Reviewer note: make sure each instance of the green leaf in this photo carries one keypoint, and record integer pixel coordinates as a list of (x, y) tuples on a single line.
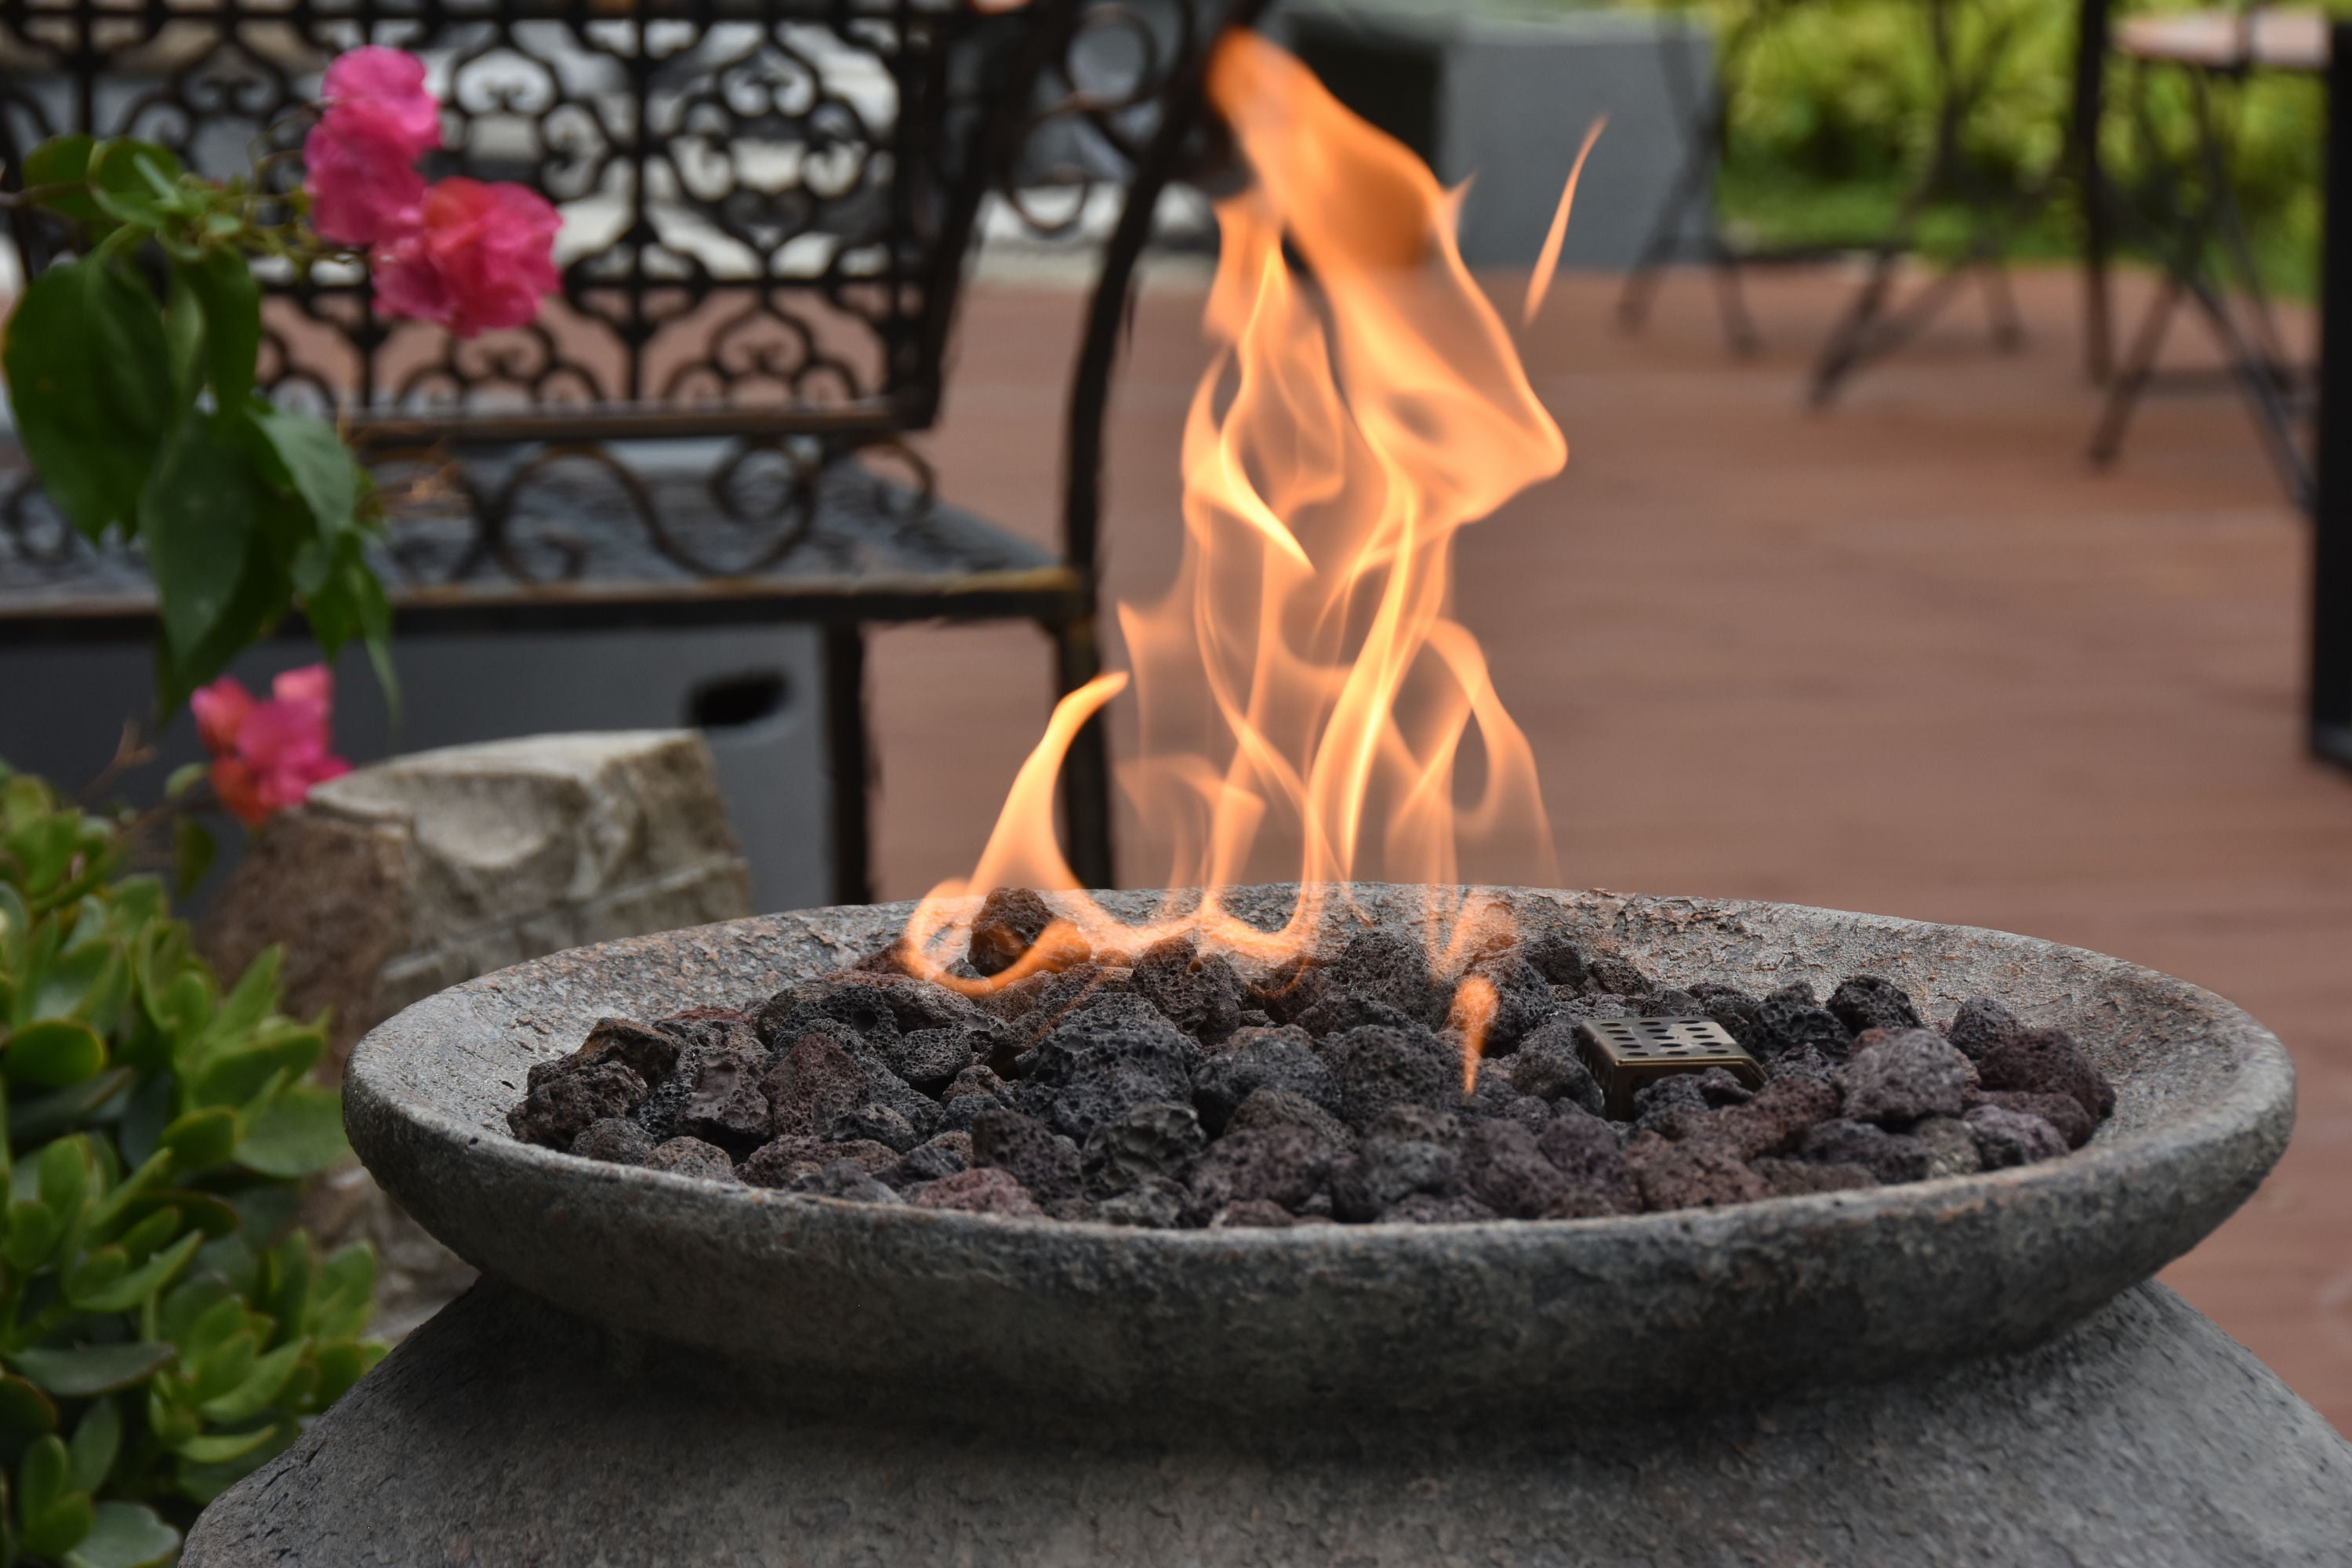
[(85, 1370), (90, 378), (23, 1408), (97, 1439), (299, 1134), (33, 1234), (57, 1529), (218, 1447), (135, 181), (92, 1273), (64, 161), (202, 1139), (55, 1053), (317, 466), (207, 1213), (223, 283), (258, 1390), (185, 777), (64, 1176), (125, 1535), (131, 1288), (32, 1118), (41, 1476), (184, 333), (192, 849), (198, 515)]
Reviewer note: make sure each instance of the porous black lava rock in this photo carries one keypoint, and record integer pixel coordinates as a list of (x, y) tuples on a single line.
[(1873, 1002), (1200, 992), (1044, 1163), (1172, 1089), (2005, 1138), (1790, 1020), (1898, 1077), (1888, 1156), (616, 1140), (1222, 1082), (1980, 1024), (1157, 1139), (561, 1108), (1009, 921), (1378, 1068), (691, 1157)]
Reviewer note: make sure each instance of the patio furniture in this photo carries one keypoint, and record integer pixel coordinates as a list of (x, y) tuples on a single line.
[(2190, 221), (770, 207)]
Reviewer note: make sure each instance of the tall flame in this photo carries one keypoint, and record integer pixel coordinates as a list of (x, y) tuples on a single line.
[(1304, 693)]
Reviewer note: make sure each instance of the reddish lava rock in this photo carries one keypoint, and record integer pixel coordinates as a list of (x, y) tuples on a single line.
[(2047, 1061), (692, 1157), (1689, 1175), (812, 1085), (2062, 1111), (1043, 1162), (984, 1190), (559, 1109)]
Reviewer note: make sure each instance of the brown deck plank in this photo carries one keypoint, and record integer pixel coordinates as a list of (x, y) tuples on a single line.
[(1911, 655)]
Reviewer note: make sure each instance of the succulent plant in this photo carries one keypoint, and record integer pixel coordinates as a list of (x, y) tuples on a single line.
[(164, 1327)]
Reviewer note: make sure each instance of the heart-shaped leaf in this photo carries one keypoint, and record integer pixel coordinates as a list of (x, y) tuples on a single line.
[(55, 1053)]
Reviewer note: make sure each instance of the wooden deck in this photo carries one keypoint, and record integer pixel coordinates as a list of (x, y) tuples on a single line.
[(1912, 656)]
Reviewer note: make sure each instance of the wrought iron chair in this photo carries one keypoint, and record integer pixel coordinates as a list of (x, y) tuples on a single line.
[(770, 206)]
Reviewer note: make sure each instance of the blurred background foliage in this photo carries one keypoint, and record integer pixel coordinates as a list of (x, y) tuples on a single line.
[(1833, 112)]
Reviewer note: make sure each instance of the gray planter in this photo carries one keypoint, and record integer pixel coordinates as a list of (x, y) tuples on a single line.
[(747, 1375)]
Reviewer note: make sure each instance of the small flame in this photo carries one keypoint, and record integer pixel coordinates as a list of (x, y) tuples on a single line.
[(1547, 259), (1474, 1002), (1304, 694)]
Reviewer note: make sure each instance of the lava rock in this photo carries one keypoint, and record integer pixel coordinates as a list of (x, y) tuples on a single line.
[(1252, 1213), (1903, 1075), (1044, 1164), (1285, 1165), (813, 1085), (1391, 967), (1774, 1120), (1591, 1157), (1115, 1031), (845, 1179), (1343, 1012), (981, 1190), (1155, 1202), (559, 1110), (930, 1059), (942, 1156), (1689, 1175), (1890, 1156), (1559, 961), (1009, 923), (1427, 1208), (1873, 1002), (1201, 994), (1798, 1178), (1667, 1002), (878, 1122), (1521, 1000), (692, 1157), (1504, 1167), (975, 1081), (1790, 1019), (1981, 1027), (2005, 1138), (1952, 1147), (1672, 1104), (1804, 1062), (650, 1053), (861, 1001), (2062, 1111), (727, 1106), (777, 1163), (1378, 1067), (1287, 989), (614, 1139), (1548, 1066), (1154, 1139), (1386, 1170), (1280, 1108), (1221, 1083), (2047, 1061)]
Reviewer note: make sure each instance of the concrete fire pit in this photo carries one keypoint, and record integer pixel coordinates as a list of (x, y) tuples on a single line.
[(1966, 1369)]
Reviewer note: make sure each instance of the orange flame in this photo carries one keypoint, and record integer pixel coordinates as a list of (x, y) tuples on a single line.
[(1305, 695)]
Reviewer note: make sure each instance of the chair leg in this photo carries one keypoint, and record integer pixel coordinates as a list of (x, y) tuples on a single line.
[(849, 757), (1085, 769), (2129, 382)]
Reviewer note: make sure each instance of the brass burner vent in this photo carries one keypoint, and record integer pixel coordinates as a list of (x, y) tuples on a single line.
[(1626, 1053)]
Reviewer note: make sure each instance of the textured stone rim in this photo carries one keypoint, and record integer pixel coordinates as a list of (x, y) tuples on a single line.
[(1483, 1321)]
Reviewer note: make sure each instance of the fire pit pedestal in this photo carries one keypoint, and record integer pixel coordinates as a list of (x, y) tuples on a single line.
[(662, 1369), (506, 1431)]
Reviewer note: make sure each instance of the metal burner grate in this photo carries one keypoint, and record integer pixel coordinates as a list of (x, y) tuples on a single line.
[(1626, 1053)]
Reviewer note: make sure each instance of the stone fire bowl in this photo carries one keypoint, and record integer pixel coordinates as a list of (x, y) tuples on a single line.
[(851, 1303)]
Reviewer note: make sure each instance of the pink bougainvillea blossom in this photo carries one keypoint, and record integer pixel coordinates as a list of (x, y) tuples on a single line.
[(359, 160), (482, 257), (267, 755)]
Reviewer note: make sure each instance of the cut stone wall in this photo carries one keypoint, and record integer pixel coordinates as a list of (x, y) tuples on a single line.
[(401, 879)]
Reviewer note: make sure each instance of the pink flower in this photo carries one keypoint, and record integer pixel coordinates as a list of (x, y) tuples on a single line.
[(267, 755), (359, 160), (482, 257)]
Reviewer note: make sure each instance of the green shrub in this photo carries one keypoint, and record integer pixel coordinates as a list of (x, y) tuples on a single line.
[(163, 1328)]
